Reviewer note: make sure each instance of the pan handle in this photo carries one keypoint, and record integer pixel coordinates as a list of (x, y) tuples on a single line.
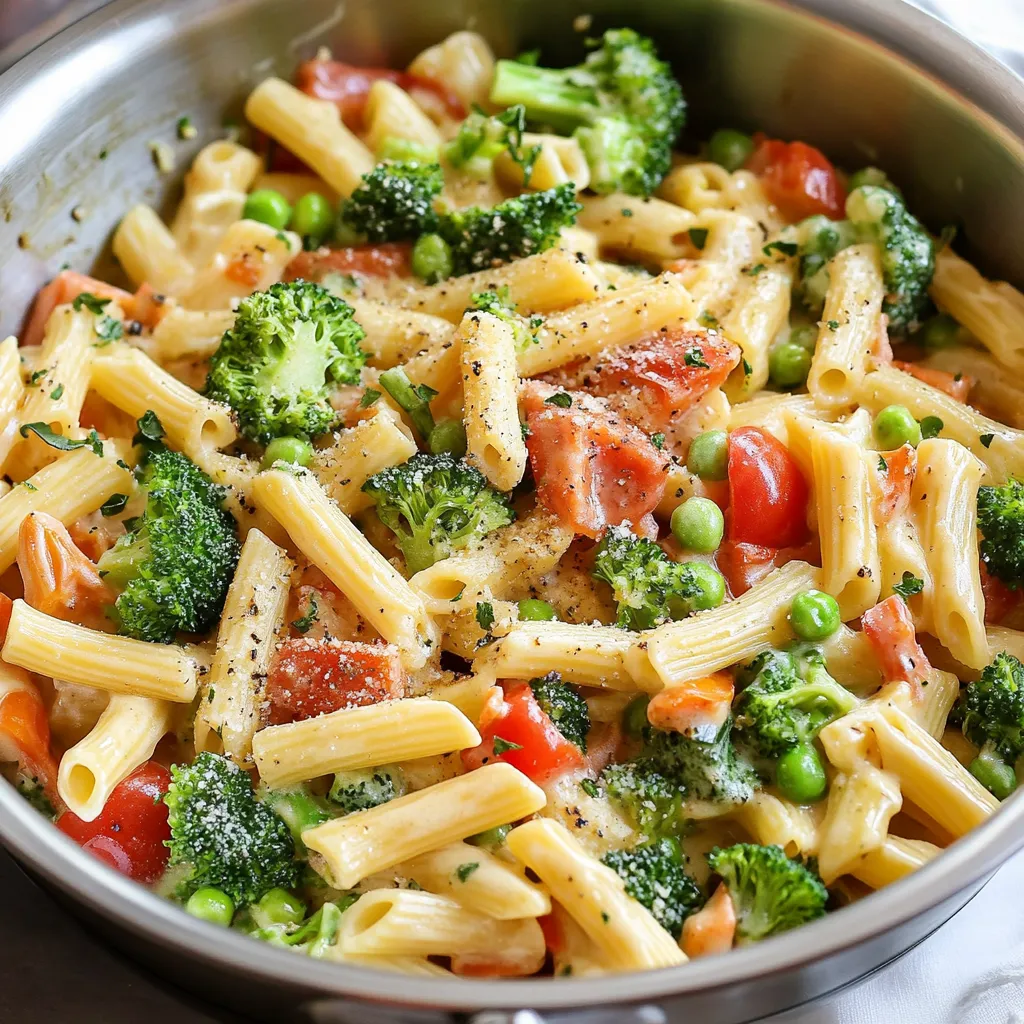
[(333, 1011)]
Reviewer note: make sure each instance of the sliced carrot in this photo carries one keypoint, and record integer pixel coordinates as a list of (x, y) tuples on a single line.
[(890, 630), (712, 929), (66, 287), (896, 480), (698, 707), (25, 737), (957, 385)]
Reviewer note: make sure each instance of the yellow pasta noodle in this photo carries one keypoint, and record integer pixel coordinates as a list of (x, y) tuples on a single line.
[(638, 227), (391, 113), (149, 252)]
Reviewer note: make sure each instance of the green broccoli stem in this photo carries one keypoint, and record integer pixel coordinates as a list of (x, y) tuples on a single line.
[(410, 399), (546, 93), (120, 564), (297, 807)]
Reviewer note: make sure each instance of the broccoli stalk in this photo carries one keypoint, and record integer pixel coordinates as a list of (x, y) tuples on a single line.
[(224, 835), (649, 587), (174, 565), (770, 892), (655, 876), (481, 138), (394, 202), (1001, 521), (359, 790), (298, 808), (276, 365), (312, 937), (622, 104), (564, 706), (435, 504)]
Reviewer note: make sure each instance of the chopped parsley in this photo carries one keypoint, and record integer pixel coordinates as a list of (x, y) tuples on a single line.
[(150, 428), (563, 400), (502, 746), (747, 368), (626, 212), (883, 466), (786, 248), (485, 615), (695, 357), (370, 395), (832, 325), (57, 392), (754, 270), (590, 787), (463, 871), (931, 426), (699, 237), (658, 440), (707, 320), (186, 129), (61, 443), (91, 302), (38, 375), (108, 329), (305, 623), (908, 586), (114, 505)]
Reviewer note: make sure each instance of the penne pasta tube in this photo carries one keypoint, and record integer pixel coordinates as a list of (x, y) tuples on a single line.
[(190, 334), (395, 335), (149, 252), (645, 228), (894, 859)]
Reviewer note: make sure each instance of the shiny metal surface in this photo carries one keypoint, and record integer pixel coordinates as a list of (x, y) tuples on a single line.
[(123, 77)]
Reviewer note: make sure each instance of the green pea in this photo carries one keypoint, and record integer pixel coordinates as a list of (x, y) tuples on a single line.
[(268, 206), (939, 331), (288, 449), (698, 524), (532, 609), (800, 775), (805, 336), (711, 584), (895, 427), (634, 716), (312, 218), (448, 436), (814, 615), (211, 905), (432, 258), (492, 838), (730, 148), (994, 774), (279, 906), (708, 457), (788, 365)]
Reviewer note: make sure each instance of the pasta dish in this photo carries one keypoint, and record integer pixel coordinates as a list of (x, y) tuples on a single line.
[(485, 535)]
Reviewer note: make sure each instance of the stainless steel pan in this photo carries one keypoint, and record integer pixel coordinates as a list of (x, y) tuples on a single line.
[(867, 81)]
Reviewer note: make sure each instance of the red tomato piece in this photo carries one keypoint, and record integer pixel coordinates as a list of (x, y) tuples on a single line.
[(593, 469), (66, 287), (767, 492), (6, 607), (956, 385), (521, 734), (896, 481), (893, 637), (130, 832), (384, 260), (654, 381), (1000, 599), (25, 734), (799, 179), (745, 565), (312, 677), (348, 87)]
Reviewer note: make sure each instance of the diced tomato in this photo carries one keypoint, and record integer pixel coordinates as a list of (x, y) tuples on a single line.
[(59, 580), (799, 179), (523, 735), (893, 637), (66, 287), (593, 469), (654, 381), (385, 260), (746, 565), (956, 385), (554, 934), (348, 87), (896, 481), (696, 708), (312, 677), (25, 734), (1000, 599), (767, 492), (147, 306), (130, 832), (6, 607)]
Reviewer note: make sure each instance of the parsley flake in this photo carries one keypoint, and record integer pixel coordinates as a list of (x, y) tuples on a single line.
[(91, 302), (114, 505), (699, 237), (57, 392), (484, 615), (503, 746), (61, 443), (883, 466), (370, 395), (563, 400), (908, 586), (695, 357), (305, 623), (150, 428), (931, 426), (785, 248), (658, 440), (463, 871)]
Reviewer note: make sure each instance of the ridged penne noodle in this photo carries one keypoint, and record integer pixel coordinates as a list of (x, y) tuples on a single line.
[(697, 186), (490, 384), (849, 326), (560, 160), (998, 393), (124, 738), (222, 165), (149, 252), (393, 334), (770, 411), (894, 859), (478, 881), (851, 660), (312, 130), (327, 537), (361, 737), (11, 392), (734, 632), (944, 500), (358, 845), (638, 227), (62, 650), (190, 334), (464, 62), (594, 895), (773, 821), (1002, 639), (228, 711), (469, 694), (131, 381), (391, 113)]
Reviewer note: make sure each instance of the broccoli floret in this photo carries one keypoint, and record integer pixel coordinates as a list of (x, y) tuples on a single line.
[(226, 837), (521, 226), (1001, 521), (481, 138), (32, 790), (274, 367), (298, 808), (394, 202), (790, 698), (819, 240), (654, 875), (312, 937), (649, 587), (565, 707), (435, 504), (622, 104), (499, 303), (990, 710), (174, 565), (770, 892), (652, 802), (360, 790), (908, 256)]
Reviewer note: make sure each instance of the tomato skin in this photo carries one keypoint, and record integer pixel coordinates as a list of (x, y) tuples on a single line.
[(893, 637), (543, 752), (130, 832), (745, 565), (895, 482), (767, 491), (799, 179), (383, 260), (957, 386), (310, 677)]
